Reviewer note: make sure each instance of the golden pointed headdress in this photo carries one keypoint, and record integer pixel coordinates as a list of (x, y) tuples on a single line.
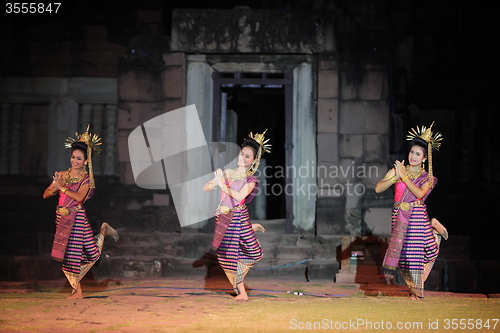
[(263, 146), (92, 141), (433, 141)]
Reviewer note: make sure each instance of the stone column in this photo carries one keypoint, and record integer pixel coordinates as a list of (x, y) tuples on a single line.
[(199, 91), (304, 154)]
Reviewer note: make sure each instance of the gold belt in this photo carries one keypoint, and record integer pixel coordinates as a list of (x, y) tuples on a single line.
[(226, 209), (65, 211), (407, 205)]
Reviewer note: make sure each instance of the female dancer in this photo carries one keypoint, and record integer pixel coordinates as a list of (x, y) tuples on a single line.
[(414, 246), (74, 243), (234, 240)]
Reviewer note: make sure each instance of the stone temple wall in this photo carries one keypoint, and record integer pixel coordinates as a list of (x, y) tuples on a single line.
[(353, 129)]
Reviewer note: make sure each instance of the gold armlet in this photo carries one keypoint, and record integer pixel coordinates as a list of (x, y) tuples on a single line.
[(63, 190), (387, 176)]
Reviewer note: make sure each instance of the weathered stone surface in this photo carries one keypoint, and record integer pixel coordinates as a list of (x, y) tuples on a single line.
[(330, 216), (328, 179), (328, 115), (161, 199), (172, 104), (126, 173), (122, 141), (349, 171), (150, 46), (322, 270), (140, 84), (295, 252), (325, 251), (375, 148), (379, 200), (350, 62), (246, 30), (328, 62), (378, 221), (329, 239), (328, 84), (260, 63), (366, 85), (173, 78), (374, 172), (174, 59), (29, 268), (327, 147), (351, 145), (358, 117), (45, 90)]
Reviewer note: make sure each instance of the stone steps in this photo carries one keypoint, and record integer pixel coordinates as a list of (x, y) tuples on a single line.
[(151, 254), (187, 253), (446, 274)]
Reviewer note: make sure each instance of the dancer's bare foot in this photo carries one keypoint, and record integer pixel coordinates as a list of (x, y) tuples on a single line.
[(77, 294), (439, 228), (258, 226), (106, 229), (242, 293), (415, 297), (241, 297)]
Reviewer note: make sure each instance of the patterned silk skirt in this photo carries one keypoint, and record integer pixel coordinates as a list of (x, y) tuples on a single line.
[(419, 252), (239, 249), (83, 250)]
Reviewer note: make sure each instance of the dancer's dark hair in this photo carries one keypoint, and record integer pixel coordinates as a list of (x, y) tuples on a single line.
[(251, 143), (79, 145)]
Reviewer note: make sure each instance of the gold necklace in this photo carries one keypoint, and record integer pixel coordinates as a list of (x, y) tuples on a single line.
[(72, 180), (233, 175), (413, 175)]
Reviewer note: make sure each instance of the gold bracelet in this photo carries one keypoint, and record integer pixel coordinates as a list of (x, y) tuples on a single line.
[(404, 178), (63, 190), (393, 179)]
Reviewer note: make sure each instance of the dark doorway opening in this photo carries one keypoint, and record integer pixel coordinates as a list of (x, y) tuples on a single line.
[(254, 102), (259, 108)]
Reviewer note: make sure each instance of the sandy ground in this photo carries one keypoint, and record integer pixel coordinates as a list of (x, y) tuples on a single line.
[(153, 305)]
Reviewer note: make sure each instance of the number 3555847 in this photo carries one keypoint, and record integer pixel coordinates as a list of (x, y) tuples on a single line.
[(31, 7)]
